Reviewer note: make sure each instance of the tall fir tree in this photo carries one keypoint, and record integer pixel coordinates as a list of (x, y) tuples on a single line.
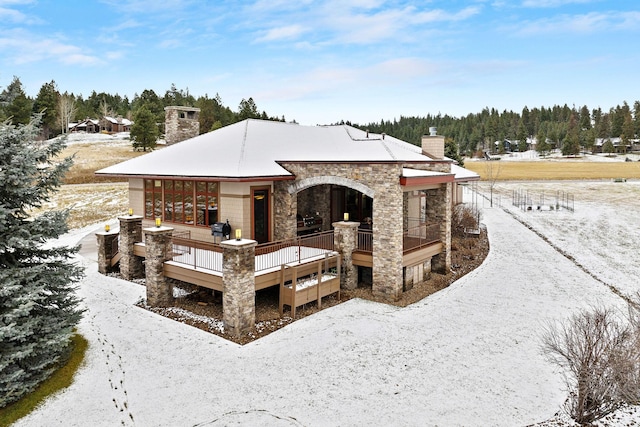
[(144, 130), (38, 305)]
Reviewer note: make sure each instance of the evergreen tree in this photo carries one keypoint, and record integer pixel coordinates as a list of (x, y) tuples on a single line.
[(248, 110), (628, 132), (571, 145), (542, 146), (522, 136), (38, 306), (144, 131), (46, 103), (451, 151), (608, 147), (17, 106)]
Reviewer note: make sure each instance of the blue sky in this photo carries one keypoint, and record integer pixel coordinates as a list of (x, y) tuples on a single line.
[(331, 60)]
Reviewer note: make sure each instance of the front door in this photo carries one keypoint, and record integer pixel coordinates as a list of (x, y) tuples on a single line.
[(261, 220)]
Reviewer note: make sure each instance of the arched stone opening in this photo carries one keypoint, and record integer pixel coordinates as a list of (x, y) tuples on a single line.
[(323, 200)]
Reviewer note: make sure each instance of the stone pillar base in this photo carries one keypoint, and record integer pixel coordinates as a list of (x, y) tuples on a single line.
[(106, 241), (158, 250), (239, 286)]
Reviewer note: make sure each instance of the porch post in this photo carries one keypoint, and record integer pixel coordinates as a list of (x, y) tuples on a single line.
[(387, 238), (285, 208), (239, 288), (130, 233), (345, 241), (106, 240), (158, 250)]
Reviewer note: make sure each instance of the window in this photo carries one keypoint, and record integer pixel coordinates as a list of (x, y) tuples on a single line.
[(152, 198), (181, 201)]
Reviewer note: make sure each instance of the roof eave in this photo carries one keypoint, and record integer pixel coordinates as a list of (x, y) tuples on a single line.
[(201, 178), (422, 180)]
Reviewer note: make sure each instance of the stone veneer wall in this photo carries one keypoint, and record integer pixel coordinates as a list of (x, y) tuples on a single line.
[(345, 243), (178, 129), (316, 199), (379, 181), (439, 210), (158, 250), (130, 233), (239, 289), (106, 240)]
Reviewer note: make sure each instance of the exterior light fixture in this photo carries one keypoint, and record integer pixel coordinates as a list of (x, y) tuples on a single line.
[(130, 211), (238, 234), (346, 216), (107, 228), (158, 222)]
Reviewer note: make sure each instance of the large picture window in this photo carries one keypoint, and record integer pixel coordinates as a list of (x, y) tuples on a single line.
[(181, 201)]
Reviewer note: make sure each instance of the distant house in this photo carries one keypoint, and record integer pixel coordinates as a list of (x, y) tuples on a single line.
[(617, 144), (275, 181), (115, 124), (87, 126)]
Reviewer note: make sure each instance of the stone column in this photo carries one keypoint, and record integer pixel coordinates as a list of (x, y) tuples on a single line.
[(387, 240), (239, 286), (345, 241), (285, 207), (130, 233), (106, 242), (439, 209), (158, 250)]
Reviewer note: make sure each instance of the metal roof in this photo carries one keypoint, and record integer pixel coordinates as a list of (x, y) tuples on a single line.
[(255, 148)]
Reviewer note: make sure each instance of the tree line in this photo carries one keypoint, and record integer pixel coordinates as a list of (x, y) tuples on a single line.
[(58, 108), (569, 129)]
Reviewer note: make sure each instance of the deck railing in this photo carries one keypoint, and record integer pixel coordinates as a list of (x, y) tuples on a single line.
[(298, 249), (365, 241), (207, 256), (196, 253), (418, 236)]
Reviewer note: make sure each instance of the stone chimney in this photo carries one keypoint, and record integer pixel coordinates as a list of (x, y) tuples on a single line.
[(181, 123), (433, 145)]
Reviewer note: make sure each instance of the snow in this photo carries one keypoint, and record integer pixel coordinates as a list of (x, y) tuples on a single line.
[(255, 148), (467, 355)]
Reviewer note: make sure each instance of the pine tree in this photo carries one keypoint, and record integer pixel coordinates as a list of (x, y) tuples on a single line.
[(38, 305), (144, 131)]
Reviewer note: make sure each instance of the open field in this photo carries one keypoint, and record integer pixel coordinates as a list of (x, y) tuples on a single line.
[(90, 203), (566, 169), (96, 151)]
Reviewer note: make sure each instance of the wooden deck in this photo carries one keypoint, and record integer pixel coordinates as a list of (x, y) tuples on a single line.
[(186, 267)]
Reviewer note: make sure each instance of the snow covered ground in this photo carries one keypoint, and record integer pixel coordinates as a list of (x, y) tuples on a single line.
[(467, 355)]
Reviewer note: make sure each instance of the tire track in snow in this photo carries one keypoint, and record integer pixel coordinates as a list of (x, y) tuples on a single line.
[(570, 257)]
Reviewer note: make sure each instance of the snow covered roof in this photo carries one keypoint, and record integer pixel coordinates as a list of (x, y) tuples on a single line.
[(119, 120), (255, 148), (463, 174)]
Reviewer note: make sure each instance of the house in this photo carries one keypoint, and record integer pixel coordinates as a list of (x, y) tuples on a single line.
[(115, 124), (87, 126), (274, 181)]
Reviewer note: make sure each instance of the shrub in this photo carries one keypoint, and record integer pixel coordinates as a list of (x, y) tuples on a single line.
[(464, 217), (600, 354)]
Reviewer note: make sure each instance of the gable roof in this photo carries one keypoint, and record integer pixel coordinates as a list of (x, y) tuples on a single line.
[(255, 148)]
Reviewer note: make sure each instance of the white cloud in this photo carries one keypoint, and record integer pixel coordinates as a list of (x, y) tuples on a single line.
[(21, 47), (593, 22), (287, 32), (15, 16), (551, 3)]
